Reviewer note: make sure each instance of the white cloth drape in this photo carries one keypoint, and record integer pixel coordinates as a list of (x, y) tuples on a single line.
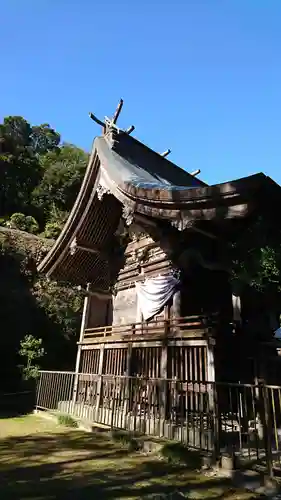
[(154, 293), (236, 304)]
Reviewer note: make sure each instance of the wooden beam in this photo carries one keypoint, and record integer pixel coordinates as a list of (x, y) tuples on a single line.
[(205, 233), (146, 220), (130, 129), (118, 111), (195, 172), (166, 153), (95, 119), (109, 344), (84, 246), (88, 249), (100, 294)]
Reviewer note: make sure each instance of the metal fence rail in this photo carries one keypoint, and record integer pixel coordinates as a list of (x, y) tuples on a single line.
[(241, 420)]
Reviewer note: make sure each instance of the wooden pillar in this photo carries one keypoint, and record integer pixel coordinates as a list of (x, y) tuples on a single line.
[(128, 382), (99, 382), (176, 310), (84, 322), (211, 374), (139, 316), (213, 395), (177, 304), (163, 375)]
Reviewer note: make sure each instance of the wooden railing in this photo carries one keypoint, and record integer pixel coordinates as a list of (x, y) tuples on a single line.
[(160, 326)]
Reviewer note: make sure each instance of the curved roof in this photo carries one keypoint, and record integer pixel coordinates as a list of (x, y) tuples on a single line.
[(124, 178)]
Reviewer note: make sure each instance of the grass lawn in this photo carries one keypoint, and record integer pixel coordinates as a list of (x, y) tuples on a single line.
[(42, 460)]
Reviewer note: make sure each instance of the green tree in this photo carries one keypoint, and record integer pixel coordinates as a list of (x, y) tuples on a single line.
[(31, 350), (44, 139), (63, 172), (14, 135), (20, 148), (17, 136), (55, 222), (256, 255), (33, 304)]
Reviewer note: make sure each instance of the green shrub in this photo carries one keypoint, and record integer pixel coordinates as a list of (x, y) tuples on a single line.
[(177, 453), (31, 225), (23, 222), (31, 349), (125, 439), (67, 421)]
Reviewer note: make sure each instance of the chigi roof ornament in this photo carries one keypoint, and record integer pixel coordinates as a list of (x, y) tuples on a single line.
[(111, 122)]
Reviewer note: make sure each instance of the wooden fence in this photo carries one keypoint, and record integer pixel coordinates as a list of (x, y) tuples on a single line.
[(240, 420)]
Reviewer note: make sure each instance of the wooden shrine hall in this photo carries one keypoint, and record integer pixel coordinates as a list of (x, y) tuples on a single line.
[(148, 243)]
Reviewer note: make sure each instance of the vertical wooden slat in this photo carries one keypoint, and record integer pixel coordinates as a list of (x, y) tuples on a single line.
[(91, 361), (114, 361), (211, 378), (163, 374), (200, 368), (111, 361), (99, 383), (205, 364), (196, 394), (120, 362)]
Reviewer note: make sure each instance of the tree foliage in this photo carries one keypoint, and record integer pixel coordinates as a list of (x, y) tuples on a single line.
[(20, 171), (62, 171), (256, 255), (31, 350), (39, 178), (32, 305), (23, 222), (55, 222)]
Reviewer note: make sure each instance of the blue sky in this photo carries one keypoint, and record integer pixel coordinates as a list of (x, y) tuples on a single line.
[(201, 77)]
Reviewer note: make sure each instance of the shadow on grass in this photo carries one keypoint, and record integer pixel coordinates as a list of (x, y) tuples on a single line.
[(72, 464)]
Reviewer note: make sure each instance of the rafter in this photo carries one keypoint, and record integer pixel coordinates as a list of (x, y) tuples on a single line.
[(100, 294)]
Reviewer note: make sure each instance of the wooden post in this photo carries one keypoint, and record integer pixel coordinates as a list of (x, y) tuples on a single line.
[(128, 385), (211, 375), (176, 310), (99, 383), (84, 322), (267, 427), (163, 375), (212, 392)]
